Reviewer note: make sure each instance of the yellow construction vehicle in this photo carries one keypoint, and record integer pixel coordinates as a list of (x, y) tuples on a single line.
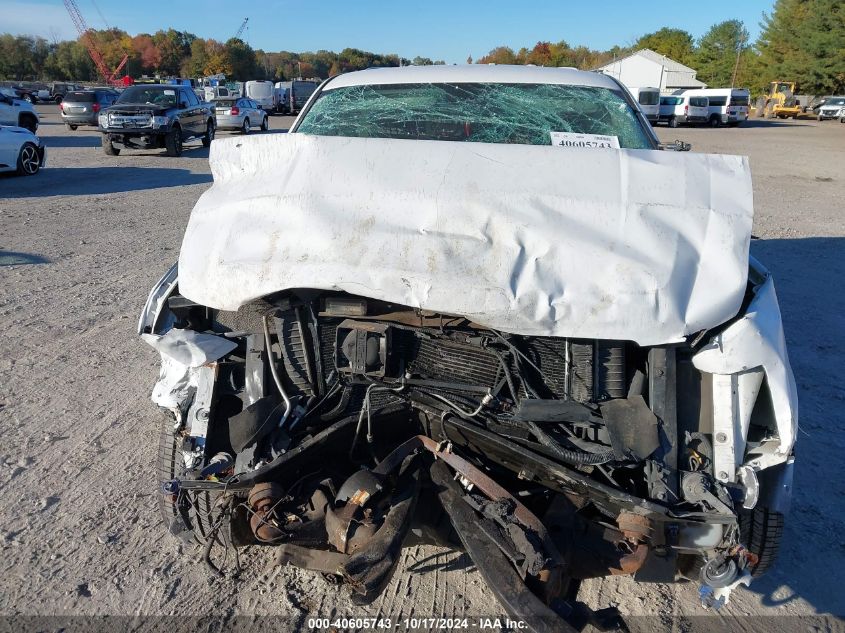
[(780, 102)]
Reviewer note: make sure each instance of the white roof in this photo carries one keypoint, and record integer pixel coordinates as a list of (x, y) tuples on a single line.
[(472, 73), (669, 64)]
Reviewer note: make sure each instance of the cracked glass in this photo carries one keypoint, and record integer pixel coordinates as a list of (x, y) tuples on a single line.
[(479, 112)]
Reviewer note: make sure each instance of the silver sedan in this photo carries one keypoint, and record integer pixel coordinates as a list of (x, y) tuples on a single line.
[(239, 113)]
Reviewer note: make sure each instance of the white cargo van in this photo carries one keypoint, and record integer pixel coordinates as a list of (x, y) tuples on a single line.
[(213, 92), (649, 100), (676, 110), (728, 106), (261, 91)]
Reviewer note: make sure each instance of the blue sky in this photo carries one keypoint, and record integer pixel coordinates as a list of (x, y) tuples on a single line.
[(440, 29)]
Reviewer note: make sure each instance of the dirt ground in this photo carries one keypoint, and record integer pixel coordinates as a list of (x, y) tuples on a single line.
[(84, 241)]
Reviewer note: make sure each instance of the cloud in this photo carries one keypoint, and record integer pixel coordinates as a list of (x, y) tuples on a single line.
[(33, 18)]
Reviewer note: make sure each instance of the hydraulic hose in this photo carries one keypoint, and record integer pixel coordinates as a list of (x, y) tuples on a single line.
[(570, 456), (275, 371)]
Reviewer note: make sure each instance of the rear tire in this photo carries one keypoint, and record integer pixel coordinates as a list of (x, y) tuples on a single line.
[(714, 121), (29, 163), (173, 142), (109, 148), (673, 122), (71, 127), (209, 134), (245, 127), (265, 124), (761, 531)]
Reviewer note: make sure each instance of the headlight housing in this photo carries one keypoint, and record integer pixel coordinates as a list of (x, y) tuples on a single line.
[(160, 121), (103, 120)]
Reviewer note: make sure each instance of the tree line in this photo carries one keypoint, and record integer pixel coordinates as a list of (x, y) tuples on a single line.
[(801, 40), (173, 53)]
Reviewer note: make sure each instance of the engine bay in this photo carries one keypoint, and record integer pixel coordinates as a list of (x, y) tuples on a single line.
[(335, 428)]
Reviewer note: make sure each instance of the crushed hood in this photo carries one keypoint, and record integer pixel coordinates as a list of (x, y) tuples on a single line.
[(637, 245)]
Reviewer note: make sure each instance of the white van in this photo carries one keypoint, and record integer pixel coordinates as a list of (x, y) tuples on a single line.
[(649, 100), (261, 91), (684, 109), (213, 92), (728, 106)]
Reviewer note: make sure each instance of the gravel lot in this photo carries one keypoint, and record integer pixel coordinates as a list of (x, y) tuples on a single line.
[(83, 242)]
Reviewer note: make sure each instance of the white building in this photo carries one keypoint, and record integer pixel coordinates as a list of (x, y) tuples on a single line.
[(647, 68)]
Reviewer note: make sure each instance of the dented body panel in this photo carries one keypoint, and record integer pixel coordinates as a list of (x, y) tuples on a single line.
[(501, 234)]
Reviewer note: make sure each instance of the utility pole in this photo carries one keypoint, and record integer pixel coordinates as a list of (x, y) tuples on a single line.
[(739, 46)]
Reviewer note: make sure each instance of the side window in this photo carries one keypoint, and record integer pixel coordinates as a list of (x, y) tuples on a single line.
[(192, 98)]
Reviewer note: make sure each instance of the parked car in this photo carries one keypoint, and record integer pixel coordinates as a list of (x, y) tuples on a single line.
[(728, 106), (649, 101), (17, 112), (465, 298), (60, 89), (291, 96), (240, 113), (82, 107), (21, 151), (152, 115), (833, 108), (684, 109), (261, 92)]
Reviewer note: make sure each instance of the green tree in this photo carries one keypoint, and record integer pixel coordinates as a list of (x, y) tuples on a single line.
[(499, 55), (719, 53), (241, 60), (782, 55), (676, 44), (823, 44)]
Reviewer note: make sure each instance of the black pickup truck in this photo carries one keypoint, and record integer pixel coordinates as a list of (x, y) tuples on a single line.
[(150, 116)]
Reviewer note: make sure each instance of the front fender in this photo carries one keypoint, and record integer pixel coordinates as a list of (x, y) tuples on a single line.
[(752, 343), (152, 318)]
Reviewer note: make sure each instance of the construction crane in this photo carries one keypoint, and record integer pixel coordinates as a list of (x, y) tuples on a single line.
[(96, 56), (241, 30)]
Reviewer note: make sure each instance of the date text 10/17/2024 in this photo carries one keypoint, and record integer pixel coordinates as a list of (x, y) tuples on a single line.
[(418, 623)]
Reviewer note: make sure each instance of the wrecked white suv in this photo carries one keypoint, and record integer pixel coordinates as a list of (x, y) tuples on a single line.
[(476, 306)]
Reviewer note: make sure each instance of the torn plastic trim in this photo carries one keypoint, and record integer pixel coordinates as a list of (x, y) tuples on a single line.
[(755, 340), (157, 301)]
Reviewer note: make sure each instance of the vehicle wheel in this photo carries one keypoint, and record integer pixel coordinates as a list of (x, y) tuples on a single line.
[(673, 122), (761, 531), (71, 126), (173, 142), (193, 510), (28, 161), (819, 117), (714, 121), (209, 135), (265, 124), (58, 99), (245, 127), (29, 122), (108, 147)]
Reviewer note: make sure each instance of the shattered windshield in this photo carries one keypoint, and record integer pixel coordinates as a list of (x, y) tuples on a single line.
[(480, 112), (152, 96)]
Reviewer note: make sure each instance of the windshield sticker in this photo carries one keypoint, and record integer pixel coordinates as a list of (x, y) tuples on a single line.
[(590, 141), (170, 92)]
